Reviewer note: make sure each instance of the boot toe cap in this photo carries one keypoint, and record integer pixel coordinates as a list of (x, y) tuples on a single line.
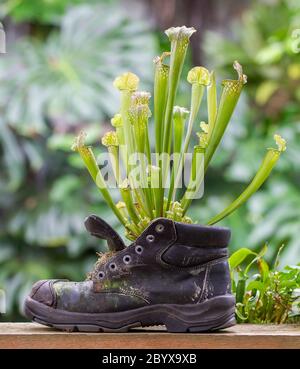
[(43, 292)]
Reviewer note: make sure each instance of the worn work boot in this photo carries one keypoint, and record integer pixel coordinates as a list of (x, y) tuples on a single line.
[(174, 274)]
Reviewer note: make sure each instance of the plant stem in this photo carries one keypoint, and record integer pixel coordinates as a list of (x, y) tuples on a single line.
[(154, 170), (211, 103), (161, 77), (126, 195), (229, 98), (127, 83), (197, 95), (90, 162), (111, 141), (179, 38), (262, 174), (139, 115), (196, 177), (179, 116), (127, 129), (114, 159), (116, 122)]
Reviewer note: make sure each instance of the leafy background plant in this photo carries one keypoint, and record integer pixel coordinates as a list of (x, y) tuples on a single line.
[(267, 295), (40, 11), (56, 79)]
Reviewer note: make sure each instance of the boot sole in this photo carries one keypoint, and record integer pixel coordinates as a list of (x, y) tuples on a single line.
[(211, 315)]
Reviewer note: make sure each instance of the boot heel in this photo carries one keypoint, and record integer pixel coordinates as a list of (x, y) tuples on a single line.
[(211, 315)]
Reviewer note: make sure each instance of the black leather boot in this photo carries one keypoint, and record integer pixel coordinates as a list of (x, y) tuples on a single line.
[(175, 274)]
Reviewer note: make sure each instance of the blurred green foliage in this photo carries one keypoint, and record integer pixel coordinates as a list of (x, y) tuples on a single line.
[(269, 51), (40, 11), (264, 294), (49, 90), (265, 42)]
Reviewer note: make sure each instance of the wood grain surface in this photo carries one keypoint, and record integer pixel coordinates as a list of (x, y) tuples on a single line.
[(30, 335)]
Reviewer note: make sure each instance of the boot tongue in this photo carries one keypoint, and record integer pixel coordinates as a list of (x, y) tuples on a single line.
[(99, 228)]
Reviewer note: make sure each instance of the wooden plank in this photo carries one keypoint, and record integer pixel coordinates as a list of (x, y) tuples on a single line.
[(30, 335)]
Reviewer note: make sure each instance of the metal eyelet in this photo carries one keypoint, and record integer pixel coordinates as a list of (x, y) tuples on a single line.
[(150, 238), (112, 266), (127, 259), (139, 249), (101, 275), (159, 228)]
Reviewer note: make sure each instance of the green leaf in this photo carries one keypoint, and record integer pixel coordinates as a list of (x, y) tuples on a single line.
[(240, 290), (263, 268), (258, 257), (260, 177), (255, 285), (239, 256), (239, 313)]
